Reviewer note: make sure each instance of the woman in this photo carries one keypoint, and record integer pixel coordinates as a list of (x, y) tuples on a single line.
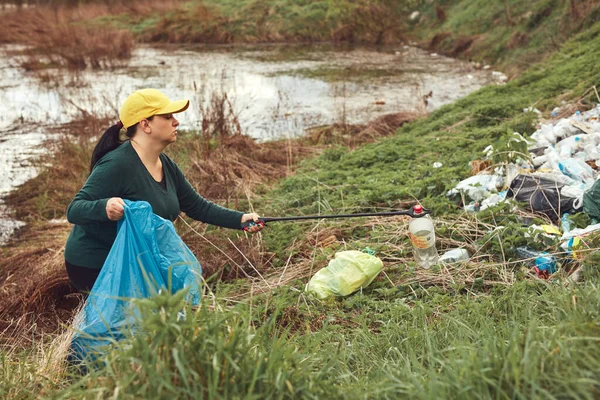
[(136, 170)]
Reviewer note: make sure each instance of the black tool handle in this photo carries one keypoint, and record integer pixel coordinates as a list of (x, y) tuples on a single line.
[(263, 221)]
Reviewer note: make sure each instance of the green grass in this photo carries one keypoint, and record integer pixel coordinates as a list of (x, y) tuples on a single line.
[(544, 26), (531, 340)]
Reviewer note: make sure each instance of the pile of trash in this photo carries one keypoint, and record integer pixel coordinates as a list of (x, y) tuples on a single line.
[(555, 172)]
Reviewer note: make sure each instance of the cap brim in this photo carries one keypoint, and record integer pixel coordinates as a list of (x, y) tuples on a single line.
[(175, 107)]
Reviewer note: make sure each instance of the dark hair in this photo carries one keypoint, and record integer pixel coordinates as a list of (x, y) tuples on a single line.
[(110, 141)]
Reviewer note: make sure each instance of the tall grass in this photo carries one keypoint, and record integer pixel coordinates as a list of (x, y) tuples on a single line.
[(211, 21), (53, 39), (532, 340), (208, 354), (33, 368), (73, 34)]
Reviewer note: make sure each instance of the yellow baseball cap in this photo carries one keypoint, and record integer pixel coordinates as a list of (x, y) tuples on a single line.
[(146, 103)]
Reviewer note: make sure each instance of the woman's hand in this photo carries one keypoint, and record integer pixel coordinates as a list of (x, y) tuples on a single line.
[(252, 217), (114, 208)]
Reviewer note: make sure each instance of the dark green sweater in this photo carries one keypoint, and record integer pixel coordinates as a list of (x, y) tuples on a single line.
[(121, 173)]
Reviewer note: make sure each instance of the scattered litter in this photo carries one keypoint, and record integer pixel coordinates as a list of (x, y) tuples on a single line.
[(455, 255), (551, 230), (532, 109), (557, 176), (422, 237), (437, 165), (580, 232), (541, 195), (572, 246), (346, 273), (554, 172), (478, 187), (542, 262), (494, 199), (415, 15), (545, 234), (500, 76), (565, 224)]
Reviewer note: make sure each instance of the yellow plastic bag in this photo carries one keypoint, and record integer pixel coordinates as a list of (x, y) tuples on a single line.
[(345, 274)]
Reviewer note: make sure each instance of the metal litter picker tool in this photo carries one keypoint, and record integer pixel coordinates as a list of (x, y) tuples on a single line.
[(414, 212)]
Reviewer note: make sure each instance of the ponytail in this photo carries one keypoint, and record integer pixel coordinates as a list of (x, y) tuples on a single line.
[(107, 143), (110, 141)]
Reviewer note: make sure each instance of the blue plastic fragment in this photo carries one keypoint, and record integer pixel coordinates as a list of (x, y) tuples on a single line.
[(546, 262)]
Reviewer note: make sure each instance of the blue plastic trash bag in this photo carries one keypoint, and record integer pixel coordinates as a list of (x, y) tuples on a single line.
[(147, 256)]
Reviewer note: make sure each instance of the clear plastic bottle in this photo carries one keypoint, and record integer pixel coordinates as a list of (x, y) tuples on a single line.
[(422, 236)]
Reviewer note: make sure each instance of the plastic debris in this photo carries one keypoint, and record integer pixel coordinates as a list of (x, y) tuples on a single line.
[(494, 199), (422, 237), (455, 255), (541, 195), (532, 109), (437, 164), (554, 172), (346, 273), (591, 201), (542, 262), (580, 232), (572, 245), (565, 224), (478, 187)]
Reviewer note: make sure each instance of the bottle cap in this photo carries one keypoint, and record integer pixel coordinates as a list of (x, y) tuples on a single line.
[(418, 209)]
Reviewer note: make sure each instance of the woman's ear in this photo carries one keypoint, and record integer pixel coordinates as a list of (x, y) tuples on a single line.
[(145, 126)]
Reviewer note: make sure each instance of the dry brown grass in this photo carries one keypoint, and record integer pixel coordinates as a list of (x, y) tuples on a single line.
[(64, 36), (34, 287), (238, 165), (197, 25), (359, 134), (48, 195)]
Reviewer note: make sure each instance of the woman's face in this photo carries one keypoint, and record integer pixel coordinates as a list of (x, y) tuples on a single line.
[(164, 128)]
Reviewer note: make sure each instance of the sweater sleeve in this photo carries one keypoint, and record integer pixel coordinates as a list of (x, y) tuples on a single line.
[(89, 204), (203, 210)]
